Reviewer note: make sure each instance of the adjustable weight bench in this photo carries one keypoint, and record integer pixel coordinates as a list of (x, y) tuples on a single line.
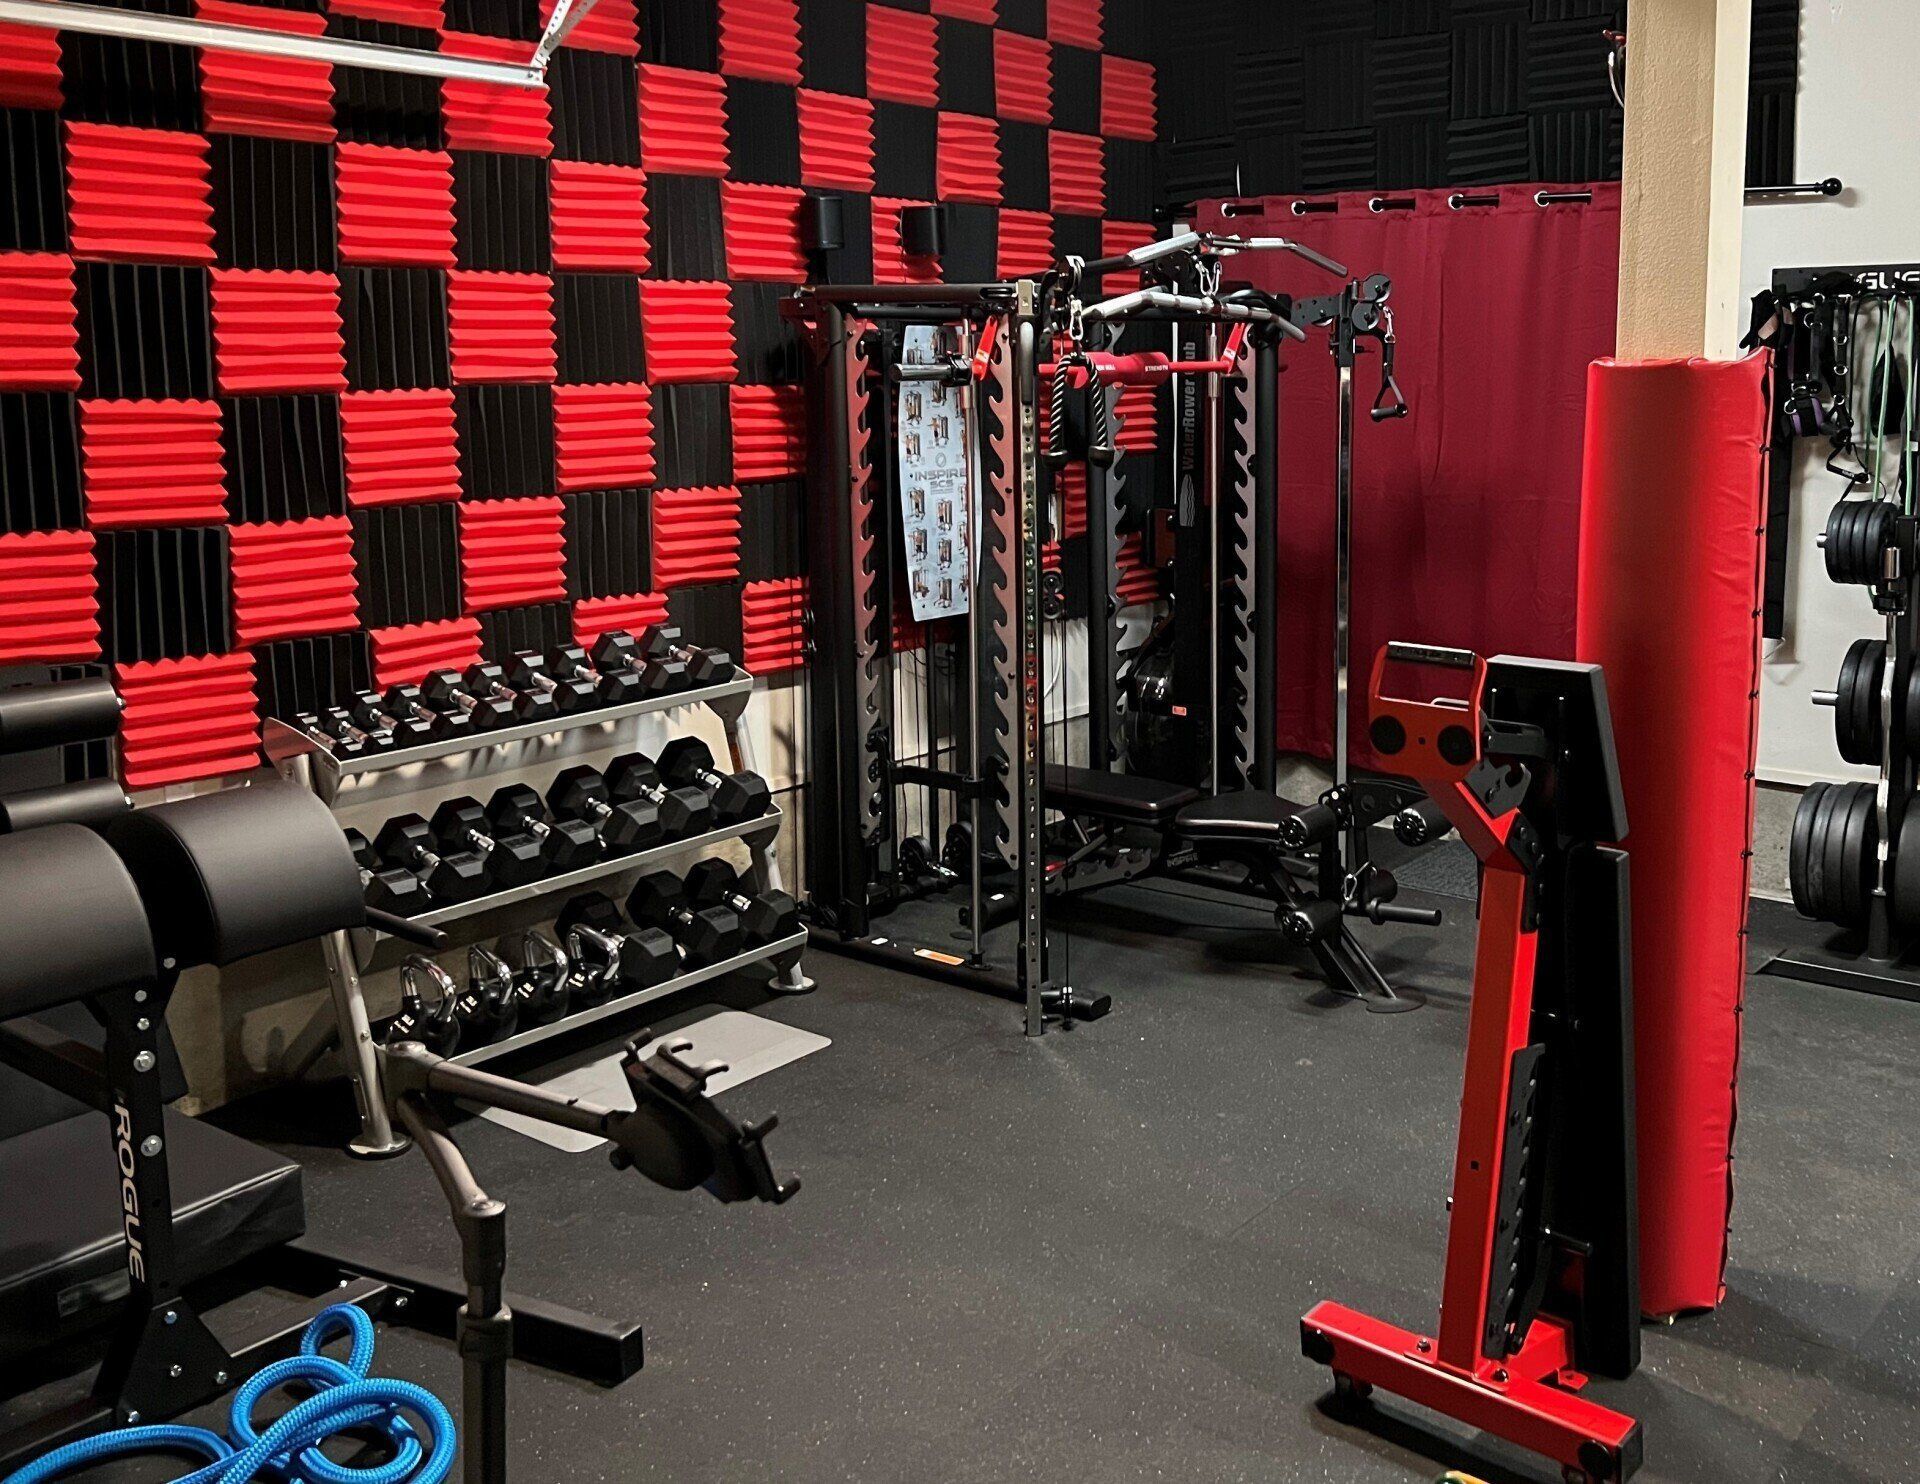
[(1263, 832)]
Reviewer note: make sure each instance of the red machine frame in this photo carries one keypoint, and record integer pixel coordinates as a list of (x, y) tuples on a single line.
[(1527, 1394)]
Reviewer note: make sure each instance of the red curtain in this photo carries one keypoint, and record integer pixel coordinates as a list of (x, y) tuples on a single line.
[(1467, 512)]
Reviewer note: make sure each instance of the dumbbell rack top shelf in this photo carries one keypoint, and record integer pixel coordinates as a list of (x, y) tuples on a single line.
[(767, 824), (503, 749), (622, 1003)]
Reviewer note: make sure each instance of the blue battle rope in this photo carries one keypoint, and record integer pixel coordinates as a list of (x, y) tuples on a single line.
[(344, 1400)]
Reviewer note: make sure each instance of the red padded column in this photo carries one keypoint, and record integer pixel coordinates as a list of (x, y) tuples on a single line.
[(1670, 573)]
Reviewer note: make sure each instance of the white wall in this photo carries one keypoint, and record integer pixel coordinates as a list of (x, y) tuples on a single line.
[(1859, 120)]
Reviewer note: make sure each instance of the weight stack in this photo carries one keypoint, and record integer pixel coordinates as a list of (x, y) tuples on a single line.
[(1671, 570)]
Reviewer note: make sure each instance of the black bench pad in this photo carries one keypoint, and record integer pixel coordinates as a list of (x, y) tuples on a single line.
[(1248, 815), (62, 1252), (1121, 798)]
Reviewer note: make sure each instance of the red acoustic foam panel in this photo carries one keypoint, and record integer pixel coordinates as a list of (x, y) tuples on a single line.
[(500, 326), (688, 329), (760, 38), (1140, 427), (611, 26), (984, 11), (243, 93), (395, 205), (769, 432), (399, 446), (903, 56), (29, 67), (1121, 237), (277, 331), (773, 625), (969, 159), (836, 141), (1026, 243), (1078, 167), (1127, 104), (293, 578), (696, 536), (39, 334), (1022, 77), (599, 217), (683, 121), (187, 719), (603, 436), (409, 653), (142, 195), (629, 612), (151, 464), (1076, 22), (428, 14), (762, 232), (513, 552), (486, 115), (49, 604), (891, 262)]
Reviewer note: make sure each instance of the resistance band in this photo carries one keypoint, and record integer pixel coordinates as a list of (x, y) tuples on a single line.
[(344, 1400)]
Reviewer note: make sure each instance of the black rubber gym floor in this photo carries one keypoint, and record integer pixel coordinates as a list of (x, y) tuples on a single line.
[(1085, 1257)]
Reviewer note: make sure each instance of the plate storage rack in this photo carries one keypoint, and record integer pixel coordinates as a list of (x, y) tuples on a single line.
[(366, 789)]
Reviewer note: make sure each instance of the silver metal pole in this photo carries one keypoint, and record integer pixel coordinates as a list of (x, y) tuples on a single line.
[(767, 852), (102, 20), (1343, 582), (976, 890), (377, 1138)]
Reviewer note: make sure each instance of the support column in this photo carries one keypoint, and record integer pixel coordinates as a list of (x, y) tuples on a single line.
[(1683, 178)]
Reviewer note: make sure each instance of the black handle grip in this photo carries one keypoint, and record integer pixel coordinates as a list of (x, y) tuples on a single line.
[(406, 930), (1383, 912), (33, 716)]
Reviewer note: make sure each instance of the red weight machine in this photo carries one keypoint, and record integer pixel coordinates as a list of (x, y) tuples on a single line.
[(1541, 1283)]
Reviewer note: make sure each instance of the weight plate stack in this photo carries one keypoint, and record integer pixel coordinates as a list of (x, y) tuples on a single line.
[(1856, 712), (1905, 885), (1831, 857), (1858, 534)]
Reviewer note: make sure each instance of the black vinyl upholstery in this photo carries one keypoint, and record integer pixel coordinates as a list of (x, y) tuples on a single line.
[(1117, 798), (74, 923), (62, 1254), (1249, 815)]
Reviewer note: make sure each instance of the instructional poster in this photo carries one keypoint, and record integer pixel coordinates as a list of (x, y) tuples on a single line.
[(936, 465)]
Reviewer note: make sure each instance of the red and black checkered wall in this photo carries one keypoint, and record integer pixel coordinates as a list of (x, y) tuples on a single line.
[(313, 378)]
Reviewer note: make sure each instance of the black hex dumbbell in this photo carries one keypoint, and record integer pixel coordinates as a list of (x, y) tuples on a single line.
[(411, 702), (594, 932), (704, 666), (523, 705), (407, 840), (683, 811), (736, 796), (567, 844), (388, 888), (581, 793), (512, 860), (310, 724), (527, 672), (449, 692), (765, 915), (618, 650), (369, 711), (705, 934), (613, 687)]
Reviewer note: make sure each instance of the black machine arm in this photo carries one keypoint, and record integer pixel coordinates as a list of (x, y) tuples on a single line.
[(676, 1135), (1358, 313)]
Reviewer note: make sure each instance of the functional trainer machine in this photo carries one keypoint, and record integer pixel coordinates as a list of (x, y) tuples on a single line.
[(900, 371), (1541, 1285)]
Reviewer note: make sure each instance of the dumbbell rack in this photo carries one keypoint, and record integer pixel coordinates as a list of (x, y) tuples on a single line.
[(343, 782)]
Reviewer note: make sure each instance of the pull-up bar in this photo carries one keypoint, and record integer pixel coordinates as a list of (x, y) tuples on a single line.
[(135, 25)]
